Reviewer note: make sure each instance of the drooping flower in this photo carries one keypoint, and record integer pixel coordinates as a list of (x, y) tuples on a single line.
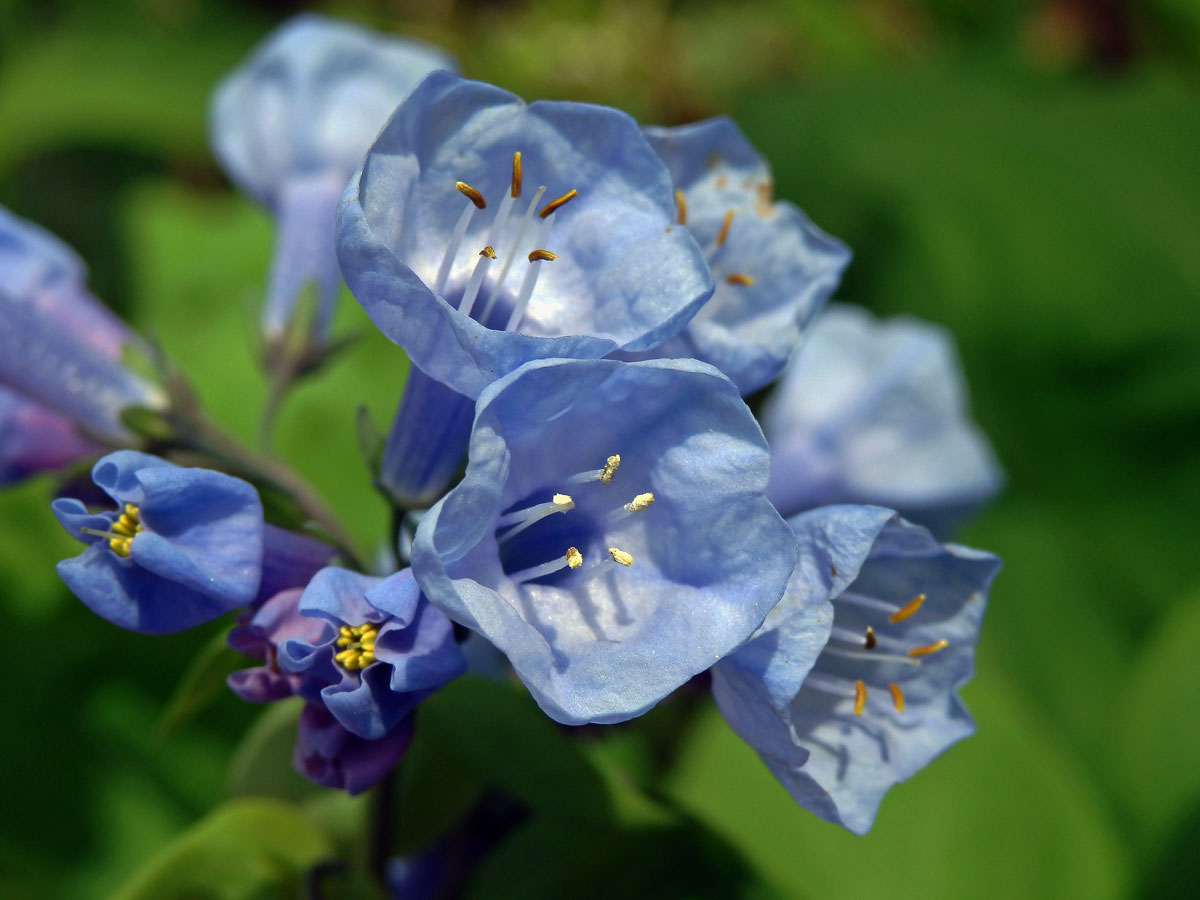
[(259, 636), (483, 232), (292, 123), (32, 439), (773, 269), (334, 757), (183, 546), (844, 699), (609, 535), (876, 412), (380, 651), (59, 346)]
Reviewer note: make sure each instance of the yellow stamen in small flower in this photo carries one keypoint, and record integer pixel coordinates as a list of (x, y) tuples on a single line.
[(471, 194), (125, 527), (907, 609), (640, 502), (739, 278), (356, 646), (620, 556), (574, 557), (563, 501), (897, 697), (557, 202), (488, 251), (515, 190), (724, 232), (869, 638), (680, 207), (860, 696), (929, 648), (610, 468), (542, 254)]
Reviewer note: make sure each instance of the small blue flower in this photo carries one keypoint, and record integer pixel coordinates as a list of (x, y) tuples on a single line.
[(183, 547), (876, 412), (260, 635), (483, 232), (610, 535), (32, 439), (772, 267), (382, 649), (59, 346), (331, 756), (842, 700), (293, 122)]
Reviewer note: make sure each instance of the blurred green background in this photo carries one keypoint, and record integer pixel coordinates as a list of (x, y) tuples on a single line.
[(1026, 173)]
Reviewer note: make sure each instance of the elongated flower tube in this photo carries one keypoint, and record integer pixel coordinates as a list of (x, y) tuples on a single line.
[(876, 412), (382, 649), (182, 547), (292, 123), (483, 232), (773, 269), (843, 699), (610, 535), (33, 439), (59, 346)]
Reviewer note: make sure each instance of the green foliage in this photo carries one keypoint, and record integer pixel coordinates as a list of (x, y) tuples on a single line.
[(244, 850)]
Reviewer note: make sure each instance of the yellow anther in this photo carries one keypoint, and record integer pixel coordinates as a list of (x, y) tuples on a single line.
[(574, 557), (542, 254), (869, 638), (356, 646), (907, 609), (725, 223), (680, 207), (929, 648), (471, 194), (860, 696), (640, 502), (610, 468), (563, 502), (897, 697), (557, 202), (488, 251), (124, 528), (121, 546), (620, 556), (739, 278), (515, 190)]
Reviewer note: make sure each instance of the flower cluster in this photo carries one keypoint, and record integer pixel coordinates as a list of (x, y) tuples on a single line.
[(575, 476)]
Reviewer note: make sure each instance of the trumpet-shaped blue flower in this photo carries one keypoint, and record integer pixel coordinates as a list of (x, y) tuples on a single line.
[(773, 269), (32, 438), (183, 546), (382, 649), (483, 232), (59, 346), (293, 122), (610, 535), (876, 412), (844, 699)]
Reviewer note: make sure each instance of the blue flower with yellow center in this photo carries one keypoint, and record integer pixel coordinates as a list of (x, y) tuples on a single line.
[(183, 546), (610, 535), (850, 685), (382, 649)]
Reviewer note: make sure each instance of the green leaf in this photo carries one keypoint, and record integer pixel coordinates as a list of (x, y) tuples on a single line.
[(202, 682), (495, 732), (262, 763), (1155, 731), (1008, 812), (246, 848)]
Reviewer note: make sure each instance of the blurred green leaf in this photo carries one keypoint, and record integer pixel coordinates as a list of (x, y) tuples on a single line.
[(262, 763), (202, 682), (496, 732), (1006, 813), (247, 848), (1154, 731)]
